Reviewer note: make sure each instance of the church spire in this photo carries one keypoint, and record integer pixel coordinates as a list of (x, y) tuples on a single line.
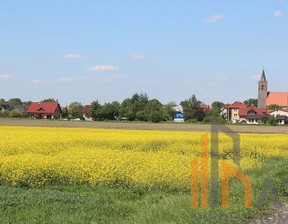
[(263, 77)]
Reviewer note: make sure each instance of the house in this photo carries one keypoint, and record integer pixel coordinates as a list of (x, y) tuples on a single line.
[(253, 115), (266, 98), (5, 107), (86, 111), (44, 110), (20, 108), (231, 112), (179, 117), (205, 107), (281, 116)]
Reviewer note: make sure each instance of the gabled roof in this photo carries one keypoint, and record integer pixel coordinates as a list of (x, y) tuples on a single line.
[(258, 111), (276, 110), (43, 108), (237, 105), (87, 108), (20, 108), (279, 98), (6, 107)]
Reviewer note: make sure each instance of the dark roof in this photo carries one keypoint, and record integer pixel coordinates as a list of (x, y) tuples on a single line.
[(281, 117), (43, 108), (6, 107), (258, 117), (263, 77), (20, 108)]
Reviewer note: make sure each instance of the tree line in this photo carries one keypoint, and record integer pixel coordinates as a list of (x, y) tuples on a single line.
[(136, 108)]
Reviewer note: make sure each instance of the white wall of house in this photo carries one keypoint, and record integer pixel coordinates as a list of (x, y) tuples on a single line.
[(254, 121), (279, 112)]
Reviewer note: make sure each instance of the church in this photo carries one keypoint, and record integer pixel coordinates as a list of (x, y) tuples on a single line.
[(267, 98)]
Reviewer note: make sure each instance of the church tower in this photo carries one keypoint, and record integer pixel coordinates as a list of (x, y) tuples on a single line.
[(262, 91)]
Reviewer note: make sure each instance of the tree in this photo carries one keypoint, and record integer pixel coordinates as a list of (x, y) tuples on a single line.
[(76, 110), (65, 113), (217, 105), (26, 103), (49, 100), (274, 107), (130, 116), (168, 111), (251, 102), (2, 101), (192, 109), (272, 120), (110, 112), (94, 110), (155, 117), (153, 105), (14, 101), (142, 116), (124, 107), (141, 97)]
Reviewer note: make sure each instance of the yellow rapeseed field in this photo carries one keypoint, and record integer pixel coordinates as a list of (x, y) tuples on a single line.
[(35, 156)]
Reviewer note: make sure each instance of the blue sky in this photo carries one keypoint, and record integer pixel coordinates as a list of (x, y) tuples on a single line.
[(108, 50)]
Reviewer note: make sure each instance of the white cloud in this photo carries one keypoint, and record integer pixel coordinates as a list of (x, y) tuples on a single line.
[(255, 77), (36, 81), (213, 19), (190, 82), (103, 68), (222, 78), (213, 83), (138, 56), (278, 13), (5, 76), (72, 56), (71, 79)]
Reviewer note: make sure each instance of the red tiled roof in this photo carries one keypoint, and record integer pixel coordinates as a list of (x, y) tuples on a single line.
[(279, 98), (87, 107), (259, 111), (237, 105), (205, 106), (43, 108)]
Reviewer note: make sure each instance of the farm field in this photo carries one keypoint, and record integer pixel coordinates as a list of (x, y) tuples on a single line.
[(169, 126), (84, 175)]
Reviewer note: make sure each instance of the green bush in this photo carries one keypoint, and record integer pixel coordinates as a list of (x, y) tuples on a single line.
[(15, 114), (141, 116), (272, 120), (130, 116), (192, 121), (155, 117), (207, 119)]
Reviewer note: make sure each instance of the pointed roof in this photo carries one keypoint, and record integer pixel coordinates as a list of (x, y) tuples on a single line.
[(263, 77), (43, 108)]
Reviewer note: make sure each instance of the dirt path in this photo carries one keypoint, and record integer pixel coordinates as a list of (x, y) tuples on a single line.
[(143, 126), (279, 216)]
